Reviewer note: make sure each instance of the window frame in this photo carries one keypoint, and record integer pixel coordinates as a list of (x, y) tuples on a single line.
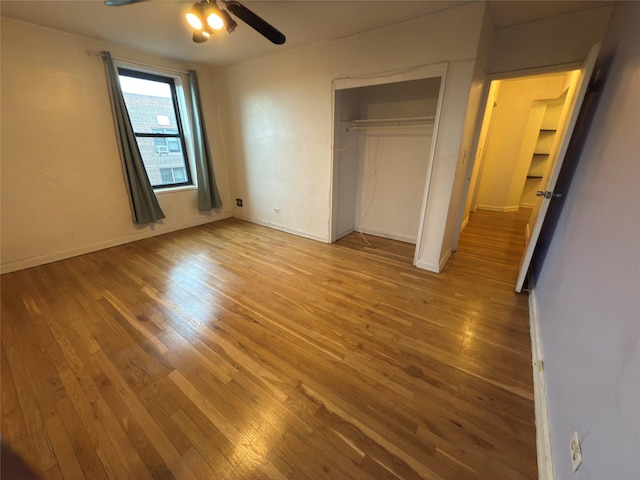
[(181, 109)]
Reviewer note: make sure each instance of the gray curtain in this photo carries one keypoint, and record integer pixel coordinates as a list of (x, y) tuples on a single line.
[(208, 195), (143, 200)]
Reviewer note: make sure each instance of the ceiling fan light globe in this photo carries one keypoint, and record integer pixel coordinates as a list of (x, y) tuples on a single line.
[(195, 16), (215, 21), (194, 20)]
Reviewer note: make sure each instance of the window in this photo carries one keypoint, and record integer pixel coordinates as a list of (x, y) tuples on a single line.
[(173, 175), (173, 144), (166, 144), (155, 117)]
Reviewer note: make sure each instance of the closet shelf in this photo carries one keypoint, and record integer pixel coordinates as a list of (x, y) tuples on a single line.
[(391, 122)]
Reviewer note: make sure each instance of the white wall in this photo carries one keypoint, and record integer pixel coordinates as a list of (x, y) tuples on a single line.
[(588, 289), (469, 143), (278, 117), (480, 151), (346, 161), (401, 99), (462, 175), (553, 41), (63, 191)]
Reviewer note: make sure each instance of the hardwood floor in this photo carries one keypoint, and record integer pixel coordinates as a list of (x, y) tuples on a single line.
[(232, 351), (384, 247)]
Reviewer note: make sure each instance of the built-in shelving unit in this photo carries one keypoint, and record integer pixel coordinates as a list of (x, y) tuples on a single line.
[(542, 150)]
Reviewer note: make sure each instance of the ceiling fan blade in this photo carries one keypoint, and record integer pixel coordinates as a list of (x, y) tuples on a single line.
[(254, 21), (118, 3)]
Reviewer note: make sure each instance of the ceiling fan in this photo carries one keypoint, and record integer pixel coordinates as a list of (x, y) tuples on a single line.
[(205, 17)]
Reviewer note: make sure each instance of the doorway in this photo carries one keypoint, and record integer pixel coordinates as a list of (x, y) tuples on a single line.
[(542, 143), (521, 129)]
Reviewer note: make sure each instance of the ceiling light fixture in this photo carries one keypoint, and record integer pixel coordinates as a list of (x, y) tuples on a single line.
[(205, 16)]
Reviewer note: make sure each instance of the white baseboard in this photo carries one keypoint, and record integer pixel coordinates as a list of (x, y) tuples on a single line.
[(465, 222), (392, 236), (543, 433), (492, 208), (344, 232), (114, 242), (434, 267), (282, 228), (444, 259)]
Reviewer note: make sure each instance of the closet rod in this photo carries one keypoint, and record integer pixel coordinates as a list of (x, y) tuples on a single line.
[(391, 122)]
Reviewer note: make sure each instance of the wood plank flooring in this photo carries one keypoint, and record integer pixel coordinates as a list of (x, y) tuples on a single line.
[(233, 351), (384, 247)]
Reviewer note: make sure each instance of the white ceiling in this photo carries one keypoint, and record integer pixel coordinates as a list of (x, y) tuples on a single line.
[(158, 26)]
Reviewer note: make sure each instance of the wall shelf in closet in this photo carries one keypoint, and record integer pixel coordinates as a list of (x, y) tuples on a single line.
[(362, 124), (545, 141), (545, 136), (538, 164)]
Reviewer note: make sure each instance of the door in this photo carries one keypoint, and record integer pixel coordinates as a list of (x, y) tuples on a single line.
[(550, 177)]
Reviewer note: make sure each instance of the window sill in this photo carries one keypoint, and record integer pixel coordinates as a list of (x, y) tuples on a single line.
[(162, 191)]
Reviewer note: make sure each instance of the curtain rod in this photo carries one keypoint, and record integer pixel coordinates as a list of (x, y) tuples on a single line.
[(142, 64)]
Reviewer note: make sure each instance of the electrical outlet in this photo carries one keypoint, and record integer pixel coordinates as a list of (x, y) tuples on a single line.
[(238, 202), (276, 210), (576, 451)]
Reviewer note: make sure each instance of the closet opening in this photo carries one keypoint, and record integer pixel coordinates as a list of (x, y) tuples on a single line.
[(384, 138)]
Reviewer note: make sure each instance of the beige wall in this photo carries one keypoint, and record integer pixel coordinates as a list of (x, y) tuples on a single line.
[(63, 191)]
